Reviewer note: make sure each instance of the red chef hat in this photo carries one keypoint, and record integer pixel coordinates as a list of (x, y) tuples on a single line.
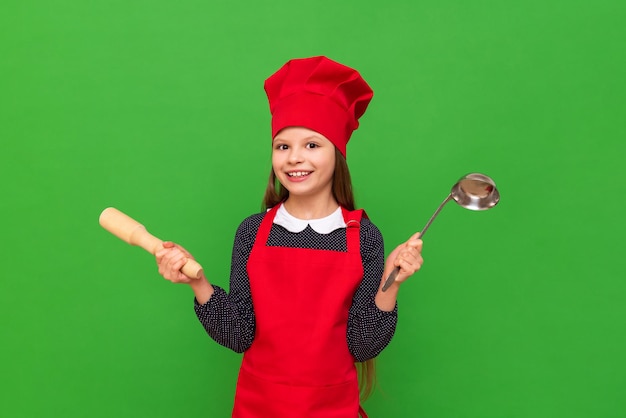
[(319, 94)]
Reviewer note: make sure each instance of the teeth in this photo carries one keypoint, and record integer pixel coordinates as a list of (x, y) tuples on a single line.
[(298, 173)]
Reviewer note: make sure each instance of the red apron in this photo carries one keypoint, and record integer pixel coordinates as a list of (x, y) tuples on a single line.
[(299, 365)]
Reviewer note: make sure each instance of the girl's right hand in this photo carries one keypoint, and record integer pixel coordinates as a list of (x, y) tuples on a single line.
[(170, 259)]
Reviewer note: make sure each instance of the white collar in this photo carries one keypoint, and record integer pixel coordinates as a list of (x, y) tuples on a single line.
[(324, 225)]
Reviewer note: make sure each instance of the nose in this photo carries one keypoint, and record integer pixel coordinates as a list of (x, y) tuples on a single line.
[(296, 155)]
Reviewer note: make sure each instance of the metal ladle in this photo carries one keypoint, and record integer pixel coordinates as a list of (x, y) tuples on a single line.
[(474, 191)]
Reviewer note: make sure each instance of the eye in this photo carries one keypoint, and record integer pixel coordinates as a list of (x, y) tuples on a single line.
[(312, 145), (281, 147)]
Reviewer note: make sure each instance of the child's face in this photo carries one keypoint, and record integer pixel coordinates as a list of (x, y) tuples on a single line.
[(304, 162)]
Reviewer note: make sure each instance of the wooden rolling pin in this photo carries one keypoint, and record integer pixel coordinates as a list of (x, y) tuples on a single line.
[(134, 233)]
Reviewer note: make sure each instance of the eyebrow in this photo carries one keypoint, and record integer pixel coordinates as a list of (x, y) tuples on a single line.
[(278, 138)]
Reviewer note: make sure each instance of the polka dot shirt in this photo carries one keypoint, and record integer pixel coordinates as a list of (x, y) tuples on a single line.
[(229, 317)]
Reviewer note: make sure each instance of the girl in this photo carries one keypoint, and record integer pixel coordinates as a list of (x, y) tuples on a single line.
[(305, 302)]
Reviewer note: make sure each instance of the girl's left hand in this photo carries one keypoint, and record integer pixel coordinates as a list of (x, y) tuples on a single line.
[(407, 256)]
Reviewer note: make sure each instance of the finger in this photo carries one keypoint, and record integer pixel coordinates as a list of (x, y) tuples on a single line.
[(167, 246), (177, 274), (182, 249), (411, 256), (179, 263), (407, 251), (407, 269), (165, 255), (170, 257), (412, 252), (174, 263), (176, 253), (403, 263), (397, 261), (415, 244), (160, 253), (415, 236)]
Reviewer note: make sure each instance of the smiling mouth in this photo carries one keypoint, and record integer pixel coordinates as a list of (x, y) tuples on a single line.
[(299, 173)]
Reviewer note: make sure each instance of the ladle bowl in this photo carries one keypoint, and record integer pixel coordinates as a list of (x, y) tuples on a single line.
[(474, 191)]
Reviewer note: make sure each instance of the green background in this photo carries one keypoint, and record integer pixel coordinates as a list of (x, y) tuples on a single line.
[(157, 108)]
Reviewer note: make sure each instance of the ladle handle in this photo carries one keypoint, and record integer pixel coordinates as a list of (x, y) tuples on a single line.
[(396, 270)]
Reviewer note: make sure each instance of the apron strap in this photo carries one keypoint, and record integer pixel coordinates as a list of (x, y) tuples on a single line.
[(362, 413), (266, 226), (353, 229)]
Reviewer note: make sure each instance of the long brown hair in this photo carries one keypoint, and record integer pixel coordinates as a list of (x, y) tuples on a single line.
[(343, 194)]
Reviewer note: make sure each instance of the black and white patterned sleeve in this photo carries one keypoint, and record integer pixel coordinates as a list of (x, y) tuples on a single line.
[(229, 317), (369, 329)]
